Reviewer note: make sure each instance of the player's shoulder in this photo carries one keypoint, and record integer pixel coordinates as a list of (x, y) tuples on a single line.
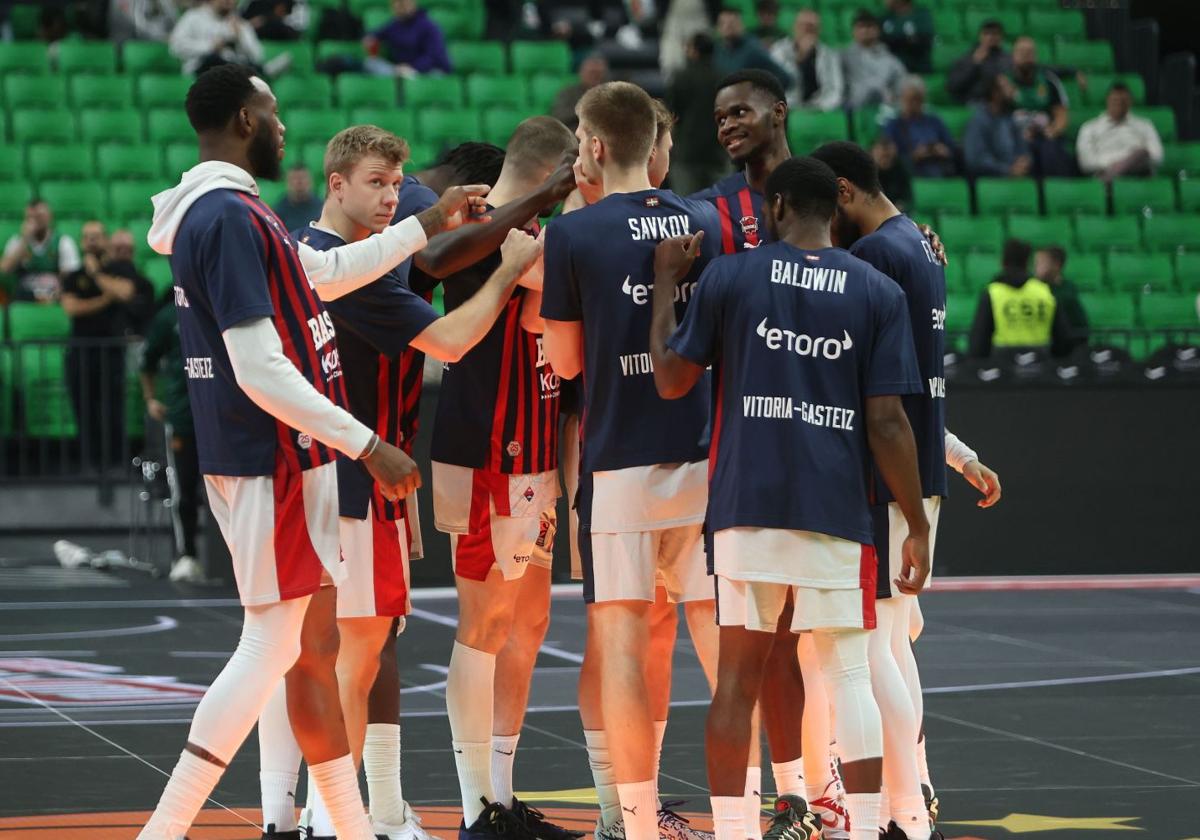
[(728, 185), (317, 238)]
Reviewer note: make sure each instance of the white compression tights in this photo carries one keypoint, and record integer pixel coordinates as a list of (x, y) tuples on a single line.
[(843, 658)]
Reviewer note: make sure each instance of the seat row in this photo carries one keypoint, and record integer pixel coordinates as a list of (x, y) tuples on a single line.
[(1055, 196)]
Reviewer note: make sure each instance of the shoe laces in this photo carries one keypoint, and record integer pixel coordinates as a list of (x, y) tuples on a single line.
[(788, 822)]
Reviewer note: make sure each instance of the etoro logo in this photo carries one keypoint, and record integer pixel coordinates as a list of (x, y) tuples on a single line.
[(803, 344), (640, 292)]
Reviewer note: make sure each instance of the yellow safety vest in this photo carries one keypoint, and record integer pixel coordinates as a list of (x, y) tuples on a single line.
[(1023, 317)]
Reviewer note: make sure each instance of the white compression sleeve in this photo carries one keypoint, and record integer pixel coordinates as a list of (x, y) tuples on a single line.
[(278, 388), (339, 271), (958, 454)]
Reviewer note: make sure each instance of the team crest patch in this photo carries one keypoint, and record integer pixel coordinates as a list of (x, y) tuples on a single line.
[(652, 201), (749, 225), (513, 449), (528, 494), (304, 441), (812, 257)]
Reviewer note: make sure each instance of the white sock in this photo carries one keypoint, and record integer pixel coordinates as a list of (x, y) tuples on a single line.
[(319, 821), (278, 800), (864, 815), (660, 730), (192, 780), (337, 781), (728, 817), (923, 764), (381, 761), (504, 748), (469, 697), (910, 814), (752, 804), (602, 776), (639, 809), (789, 778), (279, 764), (885, 808)]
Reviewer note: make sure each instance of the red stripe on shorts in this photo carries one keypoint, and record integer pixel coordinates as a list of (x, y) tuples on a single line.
[(868, 572), (474, 554), (297, 566), (391, 585)]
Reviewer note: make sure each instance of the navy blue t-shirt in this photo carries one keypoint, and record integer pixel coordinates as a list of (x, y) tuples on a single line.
[(233, 261), (599, 269), (801, 339), (740, 210), (901, 252), (375, 325)]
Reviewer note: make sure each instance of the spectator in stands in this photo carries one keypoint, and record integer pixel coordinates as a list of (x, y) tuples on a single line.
[(1017, 310), (272, 19), (142, 20), (1048, 265), (411, 43), (735, 50), (768, 30), (908, 32), (697, 159), (1117, 143), (993, 144), (894, 176), (212, 33), (592, 71), (873, 74), (969, 77), (816, 68), (119, 263), (299, 205), (1041, 110), (922, 139), (39, 258)]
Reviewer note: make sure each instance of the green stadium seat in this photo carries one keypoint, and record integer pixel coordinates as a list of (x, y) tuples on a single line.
[(12, 166), (361, 7), (43, 126), (1087, 56), (1055, 24), (956, 119), (1099, 83), (160, 91), (1110, 311), (485, 91), (355, 91), (1137, 195), (531, 57), (468, 57), (936, 95), (4, 135), (88, 91), (1012, 20), (1006, 195), (1140, 272), (421, 156), (1041, 231), (312, 125), (312, 155), (945, 53), (948, 23), (168, 125), (941, 195), (399, 122), (806, 130), (179, 158), (158, 272), (499, 124), (979, 269), (121, 161), (1172, 232), (29, 58), (1086, 271), (33, 321), (971, 233), (302, 53), (35, 91), (104, 126), (374, 19), (544, 89), (1164, 311), (1189, 195), (454, 23), (1163, 119), (956, 272), (335, 49), (141, 57), (1074, 195), (131, 200), (1181, 159), (75, 199), (434, 92), (295, 92), (960, 311), (443, 127), (98, 57), (1187, 271), (1096, 234), (59, 162), (13, 199)]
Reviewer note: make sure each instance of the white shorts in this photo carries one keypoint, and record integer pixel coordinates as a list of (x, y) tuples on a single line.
[(568, 457), (282, 531), (890, 533), (627, 566), (376, 557), (495, 519), (831, 580)]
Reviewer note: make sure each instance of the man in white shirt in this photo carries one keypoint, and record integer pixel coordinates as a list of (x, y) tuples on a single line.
[(816, 68), (873, 74), (213, 33), (1117, 143)]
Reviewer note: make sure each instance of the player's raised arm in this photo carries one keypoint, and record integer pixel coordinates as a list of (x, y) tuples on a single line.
[(674, 375), (894, 450)]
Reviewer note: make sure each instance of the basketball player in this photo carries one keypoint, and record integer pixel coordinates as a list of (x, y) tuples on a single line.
[(813, 351), (641, 496), (264, 383), (494, 453), (875, 231)]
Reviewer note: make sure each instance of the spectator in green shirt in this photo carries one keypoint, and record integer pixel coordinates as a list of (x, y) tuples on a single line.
[(1040, 110), (1048, 264), (908, 32)]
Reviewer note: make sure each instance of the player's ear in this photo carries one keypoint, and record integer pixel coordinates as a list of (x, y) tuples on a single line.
[(845, 191), (780, 111)]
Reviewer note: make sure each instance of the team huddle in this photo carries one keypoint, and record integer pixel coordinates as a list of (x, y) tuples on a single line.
[(744, 393)]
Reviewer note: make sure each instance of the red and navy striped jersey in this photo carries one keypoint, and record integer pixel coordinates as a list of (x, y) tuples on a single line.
[(498, 406), (233, 261), (740, 211), (375, 325)]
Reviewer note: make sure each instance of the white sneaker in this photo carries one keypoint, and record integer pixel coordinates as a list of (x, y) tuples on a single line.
[(71, 555), (671, 826), (187, 570), (830, 809), (410, 829)]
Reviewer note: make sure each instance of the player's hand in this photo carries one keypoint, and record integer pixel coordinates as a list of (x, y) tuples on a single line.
[(156, 410), (456, 206), (914, 567), (520, 251), (985, 481), (673, 258), (533, 277), (561, 182), (935, 242), (396, 473)]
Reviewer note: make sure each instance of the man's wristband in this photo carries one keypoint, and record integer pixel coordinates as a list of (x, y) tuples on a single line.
[(371, 447)]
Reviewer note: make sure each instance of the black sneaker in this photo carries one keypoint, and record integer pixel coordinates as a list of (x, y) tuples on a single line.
[(894, 832), (792, 821), (932, 806), (272, 834), (535, 822), (495, 821)]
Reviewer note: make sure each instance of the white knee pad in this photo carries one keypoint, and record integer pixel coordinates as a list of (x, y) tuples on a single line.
[(843, 658)]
